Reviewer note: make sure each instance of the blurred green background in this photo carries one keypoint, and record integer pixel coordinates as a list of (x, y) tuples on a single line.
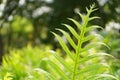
[(30, 21), (24, 22)]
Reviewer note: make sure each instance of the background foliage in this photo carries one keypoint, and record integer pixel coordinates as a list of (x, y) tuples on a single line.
[(42, 16)]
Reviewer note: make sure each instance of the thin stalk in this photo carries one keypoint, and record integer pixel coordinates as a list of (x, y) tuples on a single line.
[(77, 54), (79, 48), (76, 65)]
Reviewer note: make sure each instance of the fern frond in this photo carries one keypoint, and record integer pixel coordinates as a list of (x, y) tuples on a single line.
[(75, 70)]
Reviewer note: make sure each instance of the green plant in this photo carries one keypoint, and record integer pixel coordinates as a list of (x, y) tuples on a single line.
[(112, 39), (22, 63), (8, 76), (82, 65), (84, 62)]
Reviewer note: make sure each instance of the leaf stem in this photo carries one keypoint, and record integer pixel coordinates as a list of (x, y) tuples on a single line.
[(79, 47), (77, 54)]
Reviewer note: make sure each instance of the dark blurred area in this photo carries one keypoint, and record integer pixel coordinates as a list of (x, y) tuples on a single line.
[(30, 21)]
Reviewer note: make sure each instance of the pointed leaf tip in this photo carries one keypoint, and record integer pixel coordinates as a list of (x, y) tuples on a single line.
[(95, 17), (78, 25)]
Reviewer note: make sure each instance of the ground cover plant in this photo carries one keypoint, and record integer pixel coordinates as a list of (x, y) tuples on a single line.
[(21, 64), (113, 40), (84, 62)]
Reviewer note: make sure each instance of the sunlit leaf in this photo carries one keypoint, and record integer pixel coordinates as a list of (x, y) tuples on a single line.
[(76, 23), (69, 39), (92, 18), (92, 68), (64, 46), (82, 16), (90, 37), (92, 27), (90, 57), (61, 60), (92, 45), (59, 71), (51, 77), (74, 33)]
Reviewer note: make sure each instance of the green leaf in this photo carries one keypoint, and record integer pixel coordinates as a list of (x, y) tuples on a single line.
[(58, 70), (92, 36), (76, 23), (74, 33), (93, 27), (90, 57), (64, 46), (92, 18), (51, 77), (82, 16), (89, 37), (92, 68), (8, 76), (92, 45), (91, 10), (87, 9), (68, 38), (61, 60), (101, 76)]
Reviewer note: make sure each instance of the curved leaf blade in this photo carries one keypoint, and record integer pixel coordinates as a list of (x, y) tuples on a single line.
[(92, 68), (89, 37), (69, 39), (81, 16), (76, 23), (92, 36), (90, 57), (64, 46), (92, 45), (93, 27), (51, 77), (61, 60), (59, 71), (92, 18), (72, 30)]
